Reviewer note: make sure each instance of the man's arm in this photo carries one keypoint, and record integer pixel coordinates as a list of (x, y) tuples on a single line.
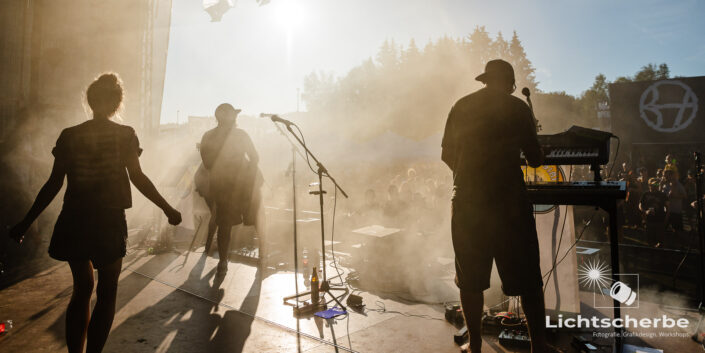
[(251, 151), (641, 202), (448, 142), (529, 142), (206, 153)]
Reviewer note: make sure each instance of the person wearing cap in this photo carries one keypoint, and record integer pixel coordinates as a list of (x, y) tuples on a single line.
[(230, 158), (492, 217)]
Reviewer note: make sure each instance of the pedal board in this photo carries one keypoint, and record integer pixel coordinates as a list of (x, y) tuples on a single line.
[(454, 315), (514, 339)]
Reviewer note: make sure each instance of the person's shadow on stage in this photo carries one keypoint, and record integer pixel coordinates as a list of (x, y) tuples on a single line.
[(187, 320)]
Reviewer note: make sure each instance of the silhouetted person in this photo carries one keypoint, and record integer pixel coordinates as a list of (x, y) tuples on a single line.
[(653, 204), (231, 161), (99, 159), (675, 191), (491, 214)]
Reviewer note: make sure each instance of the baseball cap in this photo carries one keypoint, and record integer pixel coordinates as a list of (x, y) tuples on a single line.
[(226, 107), (496, 68)]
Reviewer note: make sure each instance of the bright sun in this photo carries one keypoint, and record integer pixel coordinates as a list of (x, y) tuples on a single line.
[(288, 14)]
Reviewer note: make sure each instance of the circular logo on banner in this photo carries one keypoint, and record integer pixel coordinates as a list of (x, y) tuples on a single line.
[(672, 112), (544, 173)]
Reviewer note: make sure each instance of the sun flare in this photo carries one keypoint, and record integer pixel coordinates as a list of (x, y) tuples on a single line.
[(288, 14)]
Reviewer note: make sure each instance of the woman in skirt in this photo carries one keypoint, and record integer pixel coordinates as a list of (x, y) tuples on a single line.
[(99, 158)]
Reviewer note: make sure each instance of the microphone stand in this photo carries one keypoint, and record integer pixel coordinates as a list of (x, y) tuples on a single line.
[(525, 91), (294, 151), (321, 171), (699, 212)]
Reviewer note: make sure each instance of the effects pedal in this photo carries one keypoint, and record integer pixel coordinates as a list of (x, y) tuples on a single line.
[(491, 325), (461, 336), (454, 315), (514, 339), (354, 300)]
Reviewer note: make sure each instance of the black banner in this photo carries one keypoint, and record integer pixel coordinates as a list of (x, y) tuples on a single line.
[(659, 112)]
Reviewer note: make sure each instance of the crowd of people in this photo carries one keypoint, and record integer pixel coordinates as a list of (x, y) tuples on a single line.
[(661, 204), (413, 196)]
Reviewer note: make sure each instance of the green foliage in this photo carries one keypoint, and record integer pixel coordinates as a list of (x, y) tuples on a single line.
[(649, 72), (588, 102), (524, 71), (409, 90)]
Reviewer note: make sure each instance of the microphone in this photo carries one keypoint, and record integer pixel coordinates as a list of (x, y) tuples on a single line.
[(525, 92), (275, 118)]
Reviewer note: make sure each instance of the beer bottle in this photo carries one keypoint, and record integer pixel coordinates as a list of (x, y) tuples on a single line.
[(315, 298)]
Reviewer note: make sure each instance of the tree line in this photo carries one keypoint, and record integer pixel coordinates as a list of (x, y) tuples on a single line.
[(409, 90)]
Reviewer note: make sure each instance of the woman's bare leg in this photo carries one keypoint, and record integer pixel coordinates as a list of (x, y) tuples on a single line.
[(78, 311), (223, 246), (104, 310), (212, 227)]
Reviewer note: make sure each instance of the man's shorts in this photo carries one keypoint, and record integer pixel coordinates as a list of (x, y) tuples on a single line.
[(95, 234), (482, 233)]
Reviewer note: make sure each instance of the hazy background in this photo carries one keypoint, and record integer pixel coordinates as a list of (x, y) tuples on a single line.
[(258, 56), (372, 108)]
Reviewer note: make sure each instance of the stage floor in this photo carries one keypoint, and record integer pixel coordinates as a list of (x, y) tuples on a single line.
[(170, 303)]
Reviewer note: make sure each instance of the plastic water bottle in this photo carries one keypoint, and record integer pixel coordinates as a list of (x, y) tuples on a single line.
[(304, 262), (5, 326)]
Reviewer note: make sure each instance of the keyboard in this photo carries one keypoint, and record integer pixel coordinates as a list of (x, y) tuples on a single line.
[(576, 146), (575, 192)]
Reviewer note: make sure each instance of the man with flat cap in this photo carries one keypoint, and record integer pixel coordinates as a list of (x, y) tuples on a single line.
[(491, 214), (230, 158)]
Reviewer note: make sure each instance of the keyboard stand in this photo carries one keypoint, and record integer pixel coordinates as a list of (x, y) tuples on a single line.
[(596, 169), (610, 206)]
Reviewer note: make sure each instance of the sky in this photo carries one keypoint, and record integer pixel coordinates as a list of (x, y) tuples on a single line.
[(257, 56)]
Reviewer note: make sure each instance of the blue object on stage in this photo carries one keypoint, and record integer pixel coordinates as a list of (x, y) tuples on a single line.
[(331, 313)]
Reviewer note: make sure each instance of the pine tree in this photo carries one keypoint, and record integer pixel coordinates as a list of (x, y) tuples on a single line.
[(500, 48), (523, 69), (480, 44), (411, 54), (388, 55), (590, 100), (663, 72), (600, 87)]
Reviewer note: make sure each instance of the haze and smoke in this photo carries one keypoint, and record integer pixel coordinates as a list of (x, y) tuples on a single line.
[(377, 129)]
